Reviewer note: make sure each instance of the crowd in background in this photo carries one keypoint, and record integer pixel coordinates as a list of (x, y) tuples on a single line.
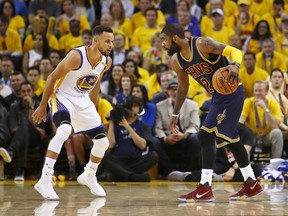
[(35, 35)]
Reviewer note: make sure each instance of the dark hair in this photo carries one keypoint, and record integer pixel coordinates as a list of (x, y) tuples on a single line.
[(151, 9), (46, 47), (173, 29), (122, 15), (46, 58), (4, 19), (250, 53), (98, 30), (255, 34), (112, 85), (87, 32), (55, 51), (278, 70), (26, 82), (279, 2), (12, 5), (136, 72), (33, 68), (144, 92)]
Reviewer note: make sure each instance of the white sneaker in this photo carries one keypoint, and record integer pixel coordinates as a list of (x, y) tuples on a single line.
[(177, 176), (88, 178), (46, 209), (45, 185), (95, 205)]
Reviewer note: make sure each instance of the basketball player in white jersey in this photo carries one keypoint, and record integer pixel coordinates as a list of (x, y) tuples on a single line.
[(68, 89)]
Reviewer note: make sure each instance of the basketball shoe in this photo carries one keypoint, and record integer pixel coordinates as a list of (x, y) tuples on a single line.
[(250, 188), (88, 178), (45, 184), (202, 193)]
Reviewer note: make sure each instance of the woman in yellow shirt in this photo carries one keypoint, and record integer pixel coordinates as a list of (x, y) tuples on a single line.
[(120, 22), (16, 22), (254, 42)]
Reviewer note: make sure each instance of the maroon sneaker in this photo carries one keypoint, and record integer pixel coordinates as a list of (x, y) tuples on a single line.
[(202, 193), (249, 189)]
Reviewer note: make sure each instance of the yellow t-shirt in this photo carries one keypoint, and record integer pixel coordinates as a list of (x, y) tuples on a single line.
[(249, 112), (126, 27), (253, 45), (154, 59), (67, 42), (265, 6), (16, 23), (104, 107), (29, 42), (248, 80), (194, 88), (65, 29), (222, 36), (139, 20), (142, 37), (278, 61), (11, 42), (153, 86), (282, 46), (273, 24), (206, 23), (39, 90), (41, 82), (144, 76), (229, 8)]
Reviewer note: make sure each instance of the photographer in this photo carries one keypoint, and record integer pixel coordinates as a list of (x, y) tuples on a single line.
[(25, 133), (129, 140)]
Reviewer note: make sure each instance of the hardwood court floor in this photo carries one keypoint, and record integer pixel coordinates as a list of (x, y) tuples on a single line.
[(138, 199)]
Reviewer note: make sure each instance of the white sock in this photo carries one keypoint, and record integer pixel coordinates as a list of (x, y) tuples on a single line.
[(92, 165), (50, 162), (206, 176), (247, 172)]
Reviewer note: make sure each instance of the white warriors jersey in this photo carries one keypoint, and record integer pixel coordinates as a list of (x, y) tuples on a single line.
[(81, 81)]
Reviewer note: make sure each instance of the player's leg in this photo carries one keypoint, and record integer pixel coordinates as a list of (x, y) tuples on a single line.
[(100, 145), (64, 128)]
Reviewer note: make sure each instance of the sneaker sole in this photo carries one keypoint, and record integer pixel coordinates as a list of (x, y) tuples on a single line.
[(40, 191), (193, 200), (243, 198), (5, 155)]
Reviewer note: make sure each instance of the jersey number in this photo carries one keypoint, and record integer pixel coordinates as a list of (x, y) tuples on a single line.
[(207, 85)]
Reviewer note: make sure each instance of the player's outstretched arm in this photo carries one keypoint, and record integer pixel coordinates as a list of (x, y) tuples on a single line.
[(71, 61)]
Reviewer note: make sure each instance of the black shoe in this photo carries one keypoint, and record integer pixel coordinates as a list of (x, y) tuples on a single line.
[(73, 175), (145, 177), (7, 155), (19, 174)]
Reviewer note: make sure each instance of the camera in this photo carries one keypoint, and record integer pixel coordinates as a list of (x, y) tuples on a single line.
[(117, 114)]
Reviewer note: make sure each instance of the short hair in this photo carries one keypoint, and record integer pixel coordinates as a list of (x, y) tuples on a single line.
[(250, 53), (263, 82), (33, 68), (279, 2), (87, 32), (98, 30), (278, 70), (173, 29), (26, 82), (151, 9)]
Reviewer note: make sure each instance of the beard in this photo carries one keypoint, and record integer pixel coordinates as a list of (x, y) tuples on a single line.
[(103, 52), (173, 49)]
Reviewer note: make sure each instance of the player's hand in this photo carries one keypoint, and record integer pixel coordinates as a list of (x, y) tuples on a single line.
[(173, 125), (233, 74), (39, 115)]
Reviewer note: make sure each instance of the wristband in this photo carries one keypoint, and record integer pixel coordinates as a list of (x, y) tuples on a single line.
[(175, 115)]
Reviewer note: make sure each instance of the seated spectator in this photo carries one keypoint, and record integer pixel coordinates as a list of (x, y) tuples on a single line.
[(16, 79), (26, 134), (112, 85), (127, 4), (165, 77), (177, 151), (87, 37), (149, 116), (33, 56), (68, 15), (263, 116), (129, 139), (33, 76), (7, 68), (127, 81), (10, 41), (86, 9), (17, 22), (55, 57), (45, 68), (254, 42)]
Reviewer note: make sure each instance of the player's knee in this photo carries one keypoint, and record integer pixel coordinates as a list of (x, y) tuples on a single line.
[(99, 147), (205, 137), (64, 131)]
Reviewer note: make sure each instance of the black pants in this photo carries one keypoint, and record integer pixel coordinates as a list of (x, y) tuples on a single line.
[(26, 137), (123, 167), (182, 156)]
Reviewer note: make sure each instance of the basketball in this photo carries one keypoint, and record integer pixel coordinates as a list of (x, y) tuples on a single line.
[(220, 85)]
